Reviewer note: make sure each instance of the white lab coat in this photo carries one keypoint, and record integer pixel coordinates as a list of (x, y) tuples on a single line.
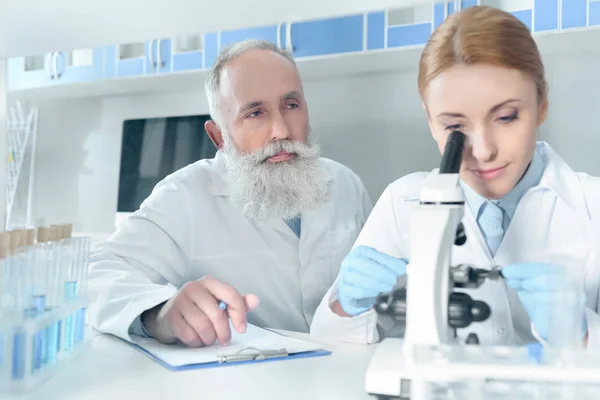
[(559, 216), (187, 229)]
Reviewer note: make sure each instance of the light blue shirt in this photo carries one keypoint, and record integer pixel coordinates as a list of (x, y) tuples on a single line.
[(294, 224), (477, 204)]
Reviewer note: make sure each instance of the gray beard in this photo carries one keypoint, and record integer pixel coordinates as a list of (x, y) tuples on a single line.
[(264, 191)]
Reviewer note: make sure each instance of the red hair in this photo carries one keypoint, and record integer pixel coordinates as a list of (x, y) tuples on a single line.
[(482, 34)]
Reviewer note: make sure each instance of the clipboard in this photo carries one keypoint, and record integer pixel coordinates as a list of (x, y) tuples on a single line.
[(256, 345)]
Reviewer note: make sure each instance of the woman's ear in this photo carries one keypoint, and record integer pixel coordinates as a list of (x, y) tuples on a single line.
[(543, 111)]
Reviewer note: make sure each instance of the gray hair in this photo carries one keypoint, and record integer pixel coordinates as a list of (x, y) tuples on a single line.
[(229, 53)]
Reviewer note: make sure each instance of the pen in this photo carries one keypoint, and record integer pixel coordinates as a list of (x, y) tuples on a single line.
[(222, 305)]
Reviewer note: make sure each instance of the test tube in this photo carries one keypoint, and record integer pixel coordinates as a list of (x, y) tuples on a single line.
[(20, 287), (69, 281), (48, 254), (57, 251), (37, 261), (81, 246), (4, 307)]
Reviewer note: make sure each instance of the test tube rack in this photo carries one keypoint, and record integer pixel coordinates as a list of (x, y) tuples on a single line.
[(42, 325)]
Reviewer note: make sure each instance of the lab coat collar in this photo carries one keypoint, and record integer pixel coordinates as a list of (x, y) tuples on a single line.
[(219, 185), (220, 175), (562, 180)]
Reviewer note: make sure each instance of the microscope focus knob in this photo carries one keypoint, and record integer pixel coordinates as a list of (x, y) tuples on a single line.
[(392, 304), (472, 339), (463, 310), (461, 236)]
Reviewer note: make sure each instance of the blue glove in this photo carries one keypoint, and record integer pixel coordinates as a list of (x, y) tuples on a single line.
[(539, 287), (364, 274)]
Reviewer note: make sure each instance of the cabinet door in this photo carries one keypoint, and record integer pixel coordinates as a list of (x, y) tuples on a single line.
[(188, 53), (546, 15), (158, 56), (594, 11), (125, 60), (574, 13), (269, 33), (30, 72), (211, 49), (443, 9), (410, 26), (329, 36), (80, 65)]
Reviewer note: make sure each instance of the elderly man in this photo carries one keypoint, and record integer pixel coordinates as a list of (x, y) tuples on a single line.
[(266, 221)]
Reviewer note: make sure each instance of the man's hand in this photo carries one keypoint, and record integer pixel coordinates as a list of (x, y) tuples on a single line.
[(193, 315)]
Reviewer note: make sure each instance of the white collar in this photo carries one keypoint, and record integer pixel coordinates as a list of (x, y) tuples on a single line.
[(562, 180)]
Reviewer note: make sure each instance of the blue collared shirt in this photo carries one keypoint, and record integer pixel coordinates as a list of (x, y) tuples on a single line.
[(294, 224), (508, 203)]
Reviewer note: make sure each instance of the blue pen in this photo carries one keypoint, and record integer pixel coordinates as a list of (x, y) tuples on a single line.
[(222, 305)]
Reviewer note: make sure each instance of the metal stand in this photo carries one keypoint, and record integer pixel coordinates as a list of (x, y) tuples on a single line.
[(22, 143)]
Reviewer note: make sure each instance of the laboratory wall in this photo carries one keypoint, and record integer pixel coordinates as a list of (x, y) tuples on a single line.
[(372, 123)]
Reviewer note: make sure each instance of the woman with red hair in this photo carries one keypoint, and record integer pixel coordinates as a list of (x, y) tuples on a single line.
[(481, 74)]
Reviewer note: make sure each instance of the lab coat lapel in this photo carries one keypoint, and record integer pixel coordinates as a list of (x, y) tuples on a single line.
[(279, 225), (521, 242)]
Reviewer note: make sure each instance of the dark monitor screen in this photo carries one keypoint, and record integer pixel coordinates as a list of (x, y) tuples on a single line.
[(154, 148)]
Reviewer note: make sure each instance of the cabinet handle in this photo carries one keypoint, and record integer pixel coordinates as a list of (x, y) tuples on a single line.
[(289, 46), (151, 50), (58, 73), (279, 35), (161, 63), (49, 60), (55, 65)]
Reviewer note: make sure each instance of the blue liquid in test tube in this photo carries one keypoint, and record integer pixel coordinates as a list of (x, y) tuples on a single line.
[(70, 295), (20, 286), (54, 289)]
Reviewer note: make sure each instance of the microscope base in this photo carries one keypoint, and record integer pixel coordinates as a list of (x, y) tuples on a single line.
[(481, 370), (385, 370)]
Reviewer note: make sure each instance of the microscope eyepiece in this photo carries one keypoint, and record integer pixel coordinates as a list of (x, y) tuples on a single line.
[(452, 157)]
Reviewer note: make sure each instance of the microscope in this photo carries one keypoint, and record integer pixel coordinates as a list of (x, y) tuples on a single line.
[(427, 304)]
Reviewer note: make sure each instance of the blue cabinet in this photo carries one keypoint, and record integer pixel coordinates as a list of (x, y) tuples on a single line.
[(328, 36), (30, 72), (80, 66), (409, 35), (55, 68), (158, 56), (574, 13), (195, 52), (376, 30), (211, 49), (546, 15), (525, 16), (125, 60), (443, 9), (136, 59), (271, 33), (187, 53), (594, 13)]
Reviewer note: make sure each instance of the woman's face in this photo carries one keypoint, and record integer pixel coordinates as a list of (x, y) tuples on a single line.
[(498, 111)]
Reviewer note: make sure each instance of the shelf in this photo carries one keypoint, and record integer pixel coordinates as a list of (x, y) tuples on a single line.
[(565, 43), (36, 27)]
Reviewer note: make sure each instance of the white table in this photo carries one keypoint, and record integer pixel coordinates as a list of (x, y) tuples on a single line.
[(110, 369)]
